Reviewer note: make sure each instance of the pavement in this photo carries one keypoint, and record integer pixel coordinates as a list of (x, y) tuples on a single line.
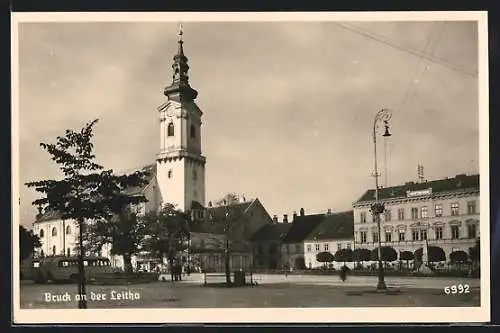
[(352, 281), (272, 291)]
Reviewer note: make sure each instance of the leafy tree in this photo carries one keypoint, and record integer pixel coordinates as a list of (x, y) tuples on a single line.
[(228, 199), (28, 242), (434, 254), (86, 191), (475, 253), (458, 257), (361, 255), (168, 231), (324, 257), (124, 231), (407, 256), (387, 253), (344, 255)]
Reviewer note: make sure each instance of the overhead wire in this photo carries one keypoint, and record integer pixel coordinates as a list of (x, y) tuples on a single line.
[(386, 41)]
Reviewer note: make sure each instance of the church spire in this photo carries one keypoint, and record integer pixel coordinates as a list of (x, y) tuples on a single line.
[(180, 89)]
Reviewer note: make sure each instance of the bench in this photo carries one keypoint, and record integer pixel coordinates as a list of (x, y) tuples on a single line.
[(214, 277)]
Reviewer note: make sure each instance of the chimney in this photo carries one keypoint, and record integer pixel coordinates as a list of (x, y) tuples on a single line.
[(302, 212), (275, 219), (294, 215), (285, 218)]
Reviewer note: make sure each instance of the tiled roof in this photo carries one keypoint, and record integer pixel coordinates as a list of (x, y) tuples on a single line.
[(275, 232), (151, 169), (302, 226), (49, 215), (215, 217), (459, 182), (151, 173), (195, 205), (335, 226)]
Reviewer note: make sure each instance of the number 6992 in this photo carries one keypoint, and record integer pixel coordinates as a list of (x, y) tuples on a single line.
[(457, 289)]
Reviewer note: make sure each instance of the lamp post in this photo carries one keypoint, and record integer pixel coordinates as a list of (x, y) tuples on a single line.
[(378, 208), (227, 265)]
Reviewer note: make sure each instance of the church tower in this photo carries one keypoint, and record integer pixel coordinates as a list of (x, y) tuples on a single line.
[(180, 163)]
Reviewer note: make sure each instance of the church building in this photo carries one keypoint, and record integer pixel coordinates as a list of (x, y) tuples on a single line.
[(176, 177)]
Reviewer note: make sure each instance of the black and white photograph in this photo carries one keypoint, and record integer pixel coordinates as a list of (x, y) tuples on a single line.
[(250, 167)]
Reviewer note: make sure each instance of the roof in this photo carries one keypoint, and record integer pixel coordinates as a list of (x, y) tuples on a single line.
[(275, 232), (335, 226), (151, 173), (215, 217), (302, 226), (459, 182)]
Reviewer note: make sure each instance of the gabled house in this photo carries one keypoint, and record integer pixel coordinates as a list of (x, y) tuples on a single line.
[(292, 248), (334, 233), (267, 242), (236, 223)]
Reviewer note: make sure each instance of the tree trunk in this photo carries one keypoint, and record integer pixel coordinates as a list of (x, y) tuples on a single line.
[(227, 264), (82, 302), (127, 263)]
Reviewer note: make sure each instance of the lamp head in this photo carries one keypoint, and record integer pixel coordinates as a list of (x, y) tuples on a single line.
[(386, 133)]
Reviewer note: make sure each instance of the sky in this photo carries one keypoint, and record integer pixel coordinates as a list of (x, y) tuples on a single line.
[(288, 106)]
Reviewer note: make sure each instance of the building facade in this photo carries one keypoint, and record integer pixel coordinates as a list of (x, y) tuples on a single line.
[(442, 213), (292, 248), (333, 234)]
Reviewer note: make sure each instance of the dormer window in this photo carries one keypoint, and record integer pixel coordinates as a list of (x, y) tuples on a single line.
[(170, 129)]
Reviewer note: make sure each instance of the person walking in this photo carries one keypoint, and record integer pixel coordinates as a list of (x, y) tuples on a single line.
[(343, 273)]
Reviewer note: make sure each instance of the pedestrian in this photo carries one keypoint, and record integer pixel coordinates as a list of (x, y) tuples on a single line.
[(343, 273)]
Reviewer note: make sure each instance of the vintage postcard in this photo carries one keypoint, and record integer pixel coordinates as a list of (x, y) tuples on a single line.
[(250, 167)]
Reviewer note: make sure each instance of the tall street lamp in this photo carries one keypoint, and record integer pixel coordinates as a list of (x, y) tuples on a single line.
[(227, 265), (378, 208)]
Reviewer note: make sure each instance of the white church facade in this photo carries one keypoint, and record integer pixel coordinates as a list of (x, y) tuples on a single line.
[(177, 177)]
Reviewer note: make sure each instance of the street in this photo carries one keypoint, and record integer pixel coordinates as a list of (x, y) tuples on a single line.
[(272, 291)]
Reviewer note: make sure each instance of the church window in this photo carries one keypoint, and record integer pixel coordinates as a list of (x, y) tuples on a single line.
[(195, 176), (42, 233), (193, 132), (68, 230), (169, 174), (54, 231), (170, 129)]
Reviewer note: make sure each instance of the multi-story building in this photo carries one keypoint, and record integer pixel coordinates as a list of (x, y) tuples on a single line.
[(334, 233), (442, 213)]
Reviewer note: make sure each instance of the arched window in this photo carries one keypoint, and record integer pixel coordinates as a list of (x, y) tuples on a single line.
[(54, 250), (195, 176), (170, 129), (68, 252), (54, 231), (42, 233), (193, 131), (169, 174), (42, 253), (68, 230)]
